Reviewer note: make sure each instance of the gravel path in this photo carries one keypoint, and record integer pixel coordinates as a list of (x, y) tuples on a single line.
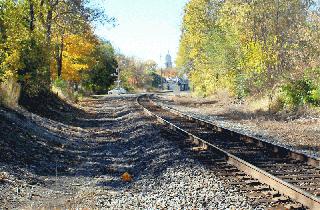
[(91, 154)]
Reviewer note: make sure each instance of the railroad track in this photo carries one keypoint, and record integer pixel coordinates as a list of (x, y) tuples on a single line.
[(287, 172)]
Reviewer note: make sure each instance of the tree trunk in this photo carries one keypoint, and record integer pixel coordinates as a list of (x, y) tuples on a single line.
[(31, 12), (48, 43), (41, 16), (60, 57), (48, 27)]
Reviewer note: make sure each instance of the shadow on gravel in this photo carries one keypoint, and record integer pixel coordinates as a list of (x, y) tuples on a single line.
[(308, 148), (21, 144), (91, 149), (52, 107), (145, 155), (105, 144), (132, 146)]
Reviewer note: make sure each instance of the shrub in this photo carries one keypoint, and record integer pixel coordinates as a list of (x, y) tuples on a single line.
[(297, 93), (60, 83), (241, 89), (65, 91), (315, 96), (33, 75)]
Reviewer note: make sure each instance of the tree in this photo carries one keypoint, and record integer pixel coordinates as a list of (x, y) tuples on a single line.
[(137, 74), (100, 77), (43, 39), (76, 56), (247, 47)]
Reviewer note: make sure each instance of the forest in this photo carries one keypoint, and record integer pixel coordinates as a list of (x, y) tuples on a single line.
[(255, 48), (49, 46), (51, 43), (262, 49)]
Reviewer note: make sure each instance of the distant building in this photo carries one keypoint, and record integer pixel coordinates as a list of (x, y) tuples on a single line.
[(171, 80), (184, 83), (168, 61), (176, 83)]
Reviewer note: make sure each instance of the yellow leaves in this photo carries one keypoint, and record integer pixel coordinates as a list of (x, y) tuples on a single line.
[(233, 19), (78, 46), (71, 69), (77, 56), (195, 25), (11, 64), (253, 60), (15, 33)]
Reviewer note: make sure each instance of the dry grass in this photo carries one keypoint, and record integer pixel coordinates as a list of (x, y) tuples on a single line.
[(220, 99), (9, 93), (252, 108), (66, 95), (299, 128)]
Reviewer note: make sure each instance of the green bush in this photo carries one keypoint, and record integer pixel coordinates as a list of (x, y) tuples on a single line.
[(241, 90), (34, 75), (315, 96), (65, 90), (61, 84), (297, 93), (99, 78)]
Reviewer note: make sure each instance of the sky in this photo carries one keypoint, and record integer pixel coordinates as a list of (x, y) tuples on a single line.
[(145, 29)]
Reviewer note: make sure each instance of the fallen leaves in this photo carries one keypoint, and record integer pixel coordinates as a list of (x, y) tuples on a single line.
[(126, 177), (3, 176)]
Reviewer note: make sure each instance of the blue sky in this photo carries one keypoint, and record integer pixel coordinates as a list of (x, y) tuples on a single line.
[(146, 28)]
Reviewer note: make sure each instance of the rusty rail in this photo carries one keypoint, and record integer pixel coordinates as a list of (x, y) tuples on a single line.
[(283, 187)]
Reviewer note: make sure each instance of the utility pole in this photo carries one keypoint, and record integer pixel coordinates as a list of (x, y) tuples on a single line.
[(118, 81), (161, 72), (118, 69)]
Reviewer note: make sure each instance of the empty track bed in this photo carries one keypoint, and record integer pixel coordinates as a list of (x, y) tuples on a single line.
[(297, 171)]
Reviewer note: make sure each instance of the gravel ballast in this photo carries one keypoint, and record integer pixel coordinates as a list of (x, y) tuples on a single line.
[(301, 135), (94, 152)]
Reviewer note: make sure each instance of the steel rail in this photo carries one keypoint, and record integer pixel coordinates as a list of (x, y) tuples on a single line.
[(281, 186), (310, 160)]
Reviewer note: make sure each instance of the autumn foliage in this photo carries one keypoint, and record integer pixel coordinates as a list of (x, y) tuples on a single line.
[(43, 41), (137, 74), (252, 48), (126, 177), (77, 56)]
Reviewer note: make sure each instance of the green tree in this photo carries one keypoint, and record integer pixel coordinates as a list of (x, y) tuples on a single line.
[(247, 47), (32, 37), (100, 77)]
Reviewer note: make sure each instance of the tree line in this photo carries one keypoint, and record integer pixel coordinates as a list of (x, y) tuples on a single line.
[(253, 47), (47, 42), (139, 75)]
